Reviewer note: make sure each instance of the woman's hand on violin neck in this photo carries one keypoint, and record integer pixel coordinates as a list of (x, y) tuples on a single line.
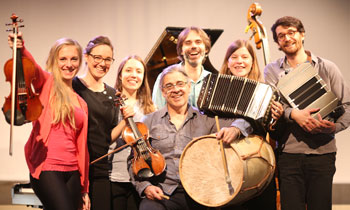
[(127, 111), (228, 134), (10, 40)]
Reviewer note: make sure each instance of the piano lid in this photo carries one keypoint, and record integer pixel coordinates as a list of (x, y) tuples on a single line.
[(164, 53)]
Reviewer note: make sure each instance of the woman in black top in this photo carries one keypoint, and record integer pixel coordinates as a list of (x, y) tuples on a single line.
[(103, 116)]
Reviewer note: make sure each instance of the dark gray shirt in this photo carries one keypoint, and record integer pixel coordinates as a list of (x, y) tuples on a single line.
[(294, 138), (171, 142)]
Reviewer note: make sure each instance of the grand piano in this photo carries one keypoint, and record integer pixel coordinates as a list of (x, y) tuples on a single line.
[(164, 53)]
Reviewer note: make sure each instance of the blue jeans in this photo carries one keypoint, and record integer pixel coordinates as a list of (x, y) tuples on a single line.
[(306, 180)]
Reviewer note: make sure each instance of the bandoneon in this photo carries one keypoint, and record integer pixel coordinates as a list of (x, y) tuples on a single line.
[(229, 96), (304, 88)]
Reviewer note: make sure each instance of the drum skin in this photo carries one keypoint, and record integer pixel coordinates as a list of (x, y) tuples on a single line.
[(250, 163)]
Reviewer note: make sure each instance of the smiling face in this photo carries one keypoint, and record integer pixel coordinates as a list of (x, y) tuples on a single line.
[(290, 40), (99, 70), (240, 62), (193, 49), (68, 62), (176, 96), (132, 75)]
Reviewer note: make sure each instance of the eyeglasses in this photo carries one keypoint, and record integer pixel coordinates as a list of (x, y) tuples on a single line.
[(179, 84), (290, 34), (99, 59)]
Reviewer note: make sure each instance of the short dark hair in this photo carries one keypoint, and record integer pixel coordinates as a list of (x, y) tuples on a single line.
[(287, 21)]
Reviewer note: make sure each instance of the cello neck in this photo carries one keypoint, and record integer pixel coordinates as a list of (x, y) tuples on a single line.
[(266, 51)]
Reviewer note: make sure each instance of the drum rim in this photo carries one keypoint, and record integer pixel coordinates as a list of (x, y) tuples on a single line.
[(185, 185)]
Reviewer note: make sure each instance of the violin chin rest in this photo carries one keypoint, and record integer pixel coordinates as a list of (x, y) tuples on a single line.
[(19, 117), (145, 173)]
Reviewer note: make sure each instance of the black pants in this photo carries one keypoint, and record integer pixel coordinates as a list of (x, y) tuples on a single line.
[(58, 190), (306, 180), (266, 200), (179, 200), (124, 196), (100, 193)]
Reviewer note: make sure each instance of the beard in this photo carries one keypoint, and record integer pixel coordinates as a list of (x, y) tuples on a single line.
[(194, 62), (291, 51)]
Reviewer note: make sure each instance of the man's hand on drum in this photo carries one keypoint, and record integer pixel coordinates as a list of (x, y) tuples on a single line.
[(228, 134), (277, 110), (153, 192)]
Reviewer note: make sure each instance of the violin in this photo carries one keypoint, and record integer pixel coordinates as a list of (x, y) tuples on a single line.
[(259, 31), (22, 105), (147, 161)]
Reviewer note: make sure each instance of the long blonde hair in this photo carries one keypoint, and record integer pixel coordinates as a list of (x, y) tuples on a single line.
[(143, 93), (254, 73), (61, 104)]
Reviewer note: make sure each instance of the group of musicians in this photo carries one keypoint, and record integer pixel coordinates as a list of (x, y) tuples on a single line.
[(80, 122)]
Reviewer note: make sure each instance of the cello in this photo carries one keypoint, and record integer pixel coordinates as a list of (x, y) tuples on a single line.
[(22, 105), (260, 39)]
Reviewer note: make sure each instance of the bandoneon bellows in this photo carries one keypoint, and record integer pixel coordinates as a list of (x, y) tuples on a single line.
[(230, 96), (304, 88)]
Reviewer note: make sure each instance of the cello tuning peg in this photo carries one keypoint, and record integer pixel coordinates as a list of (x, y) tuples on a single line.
[(21, 26), (8, 24), (8, 30)]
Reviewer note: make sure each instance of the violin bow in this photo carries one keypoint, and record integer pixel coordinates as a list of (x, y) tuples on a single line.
[(13, 88)]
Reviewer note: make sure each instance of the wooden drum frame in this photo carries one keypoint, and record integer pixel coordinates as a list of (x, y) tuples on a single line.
[(250, 162)]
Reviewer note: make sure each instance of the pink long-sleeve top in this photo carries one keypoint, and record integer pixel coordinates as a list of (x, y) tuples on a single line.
[(37, 145)]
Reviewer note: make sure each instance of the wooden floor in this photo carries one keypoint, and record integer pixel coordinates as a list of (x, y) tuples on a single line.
[(5, 200), (19, 207)]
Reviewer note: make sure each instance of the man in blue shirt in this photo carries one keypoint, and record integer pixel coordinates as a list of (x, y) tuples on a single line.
[(193, 46)]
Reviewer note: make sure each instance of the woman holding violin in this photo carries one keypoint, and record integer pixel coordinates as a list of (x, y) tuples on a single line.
[(132, 82), (56, 151)]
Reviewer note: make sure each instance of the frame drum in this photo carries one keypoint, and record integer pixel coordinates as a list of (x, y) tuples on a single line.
[(250, 163)]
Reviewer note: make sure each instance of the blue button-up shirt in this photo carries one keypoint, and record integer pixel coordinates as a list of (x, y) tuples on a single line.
[(171, 142)]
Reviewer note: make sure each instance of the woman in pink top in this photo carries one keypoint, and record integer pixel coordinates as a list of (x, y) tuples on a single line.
[(56, 151)]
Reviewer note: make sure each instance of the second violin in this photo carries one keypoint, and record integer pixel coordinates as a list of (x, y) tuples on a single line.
[(147, 161)]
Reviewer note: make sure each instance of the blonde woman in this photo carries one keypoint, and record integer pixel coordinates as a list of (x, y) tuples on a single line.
[(56, 151)]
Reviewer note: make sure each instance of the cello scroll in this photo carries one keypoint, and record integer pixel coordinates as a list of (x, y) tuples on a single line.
[(259, 31)]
